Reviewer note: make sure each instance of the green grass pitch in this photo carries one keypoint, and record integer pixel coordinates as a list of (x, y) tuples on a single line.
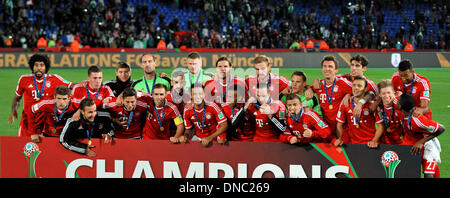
[(439, 78)]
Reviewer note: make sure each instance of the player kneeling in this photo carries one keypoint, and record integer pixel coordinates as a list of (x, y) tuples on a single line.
[(303, 126)]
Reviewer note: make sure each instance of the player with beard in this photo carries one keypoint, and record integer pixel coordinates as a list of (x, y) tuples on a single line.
[(92, 124), (34, 87), (150, 78)]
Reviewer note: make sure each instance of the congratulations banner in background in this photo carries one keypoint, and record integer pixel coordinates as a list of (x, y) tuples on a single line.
[(238, 59)]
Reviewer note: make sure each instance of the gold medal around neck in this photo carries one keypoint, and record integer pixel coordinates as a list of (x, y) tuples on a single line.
[(357, 126), (330, 107), (161, 128), (53, 130), (388, 130), (37, 99), (89, 142)]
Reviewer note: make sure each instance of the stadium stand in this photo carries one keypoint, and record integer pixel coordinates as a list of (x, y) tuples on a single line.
[(365, 24)]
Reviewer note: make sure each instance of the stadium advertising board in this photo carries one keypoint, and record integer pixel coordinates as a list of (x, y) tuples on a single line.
[(238, 59), (159, 159)]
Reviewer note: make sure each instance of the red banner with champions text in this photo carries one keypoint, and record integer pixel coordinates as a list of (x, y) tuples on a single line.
[(19, 158)]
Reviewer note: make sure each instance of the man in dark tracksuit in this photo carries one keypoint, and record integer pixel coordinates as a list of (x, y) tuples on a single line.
[(92, 124)]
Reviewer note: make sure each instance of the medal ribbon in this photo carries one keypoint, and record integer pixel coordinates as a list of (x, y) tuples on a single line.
[(204, 116), (57, 119), (160, 119), (96, 93), (329, 97), (39, 93)]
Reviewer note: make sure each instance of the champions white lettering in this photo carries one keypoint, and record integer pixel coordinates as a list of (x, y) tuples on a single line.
[(171, 169)]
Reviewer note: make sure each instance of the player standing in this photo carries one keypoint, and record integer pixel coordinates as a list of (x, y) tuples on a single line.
[(123, 79), (277, 84), (39, 85), (94, 88), (150, 78), (216, 89), (331, 91), (405, 80)]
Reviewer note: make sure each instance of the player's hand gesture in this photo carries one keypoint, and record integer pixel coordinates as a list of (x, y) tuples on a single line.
[(107, 138)]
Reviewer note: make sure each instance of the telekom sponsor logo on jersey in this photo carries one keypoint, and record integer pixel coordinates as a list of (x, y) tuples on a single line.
[(171, 169)]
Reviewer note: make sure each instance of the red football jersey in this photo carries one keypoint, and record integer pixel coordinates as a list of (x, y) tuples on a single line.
[(363, 132), (45, 119), (421, 89), (27, 89), (214, 117), (341, 88), (137, 119), (80, 92), (152, 129), (178, 100), (276, 83), (391, 118), (417, 127), (263, 130), (214, 94), (240, 134), (371, 86), (311, 120)]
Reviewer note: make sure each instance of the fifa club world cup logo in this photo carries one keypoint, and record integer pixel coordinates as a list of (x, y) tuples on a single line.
[(31, 152), (390, 161)]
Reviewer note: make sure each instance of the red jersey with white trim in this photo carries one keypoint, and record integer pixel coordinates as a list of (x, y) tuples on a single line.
[(418, 128), (421, 89), (79, 93), (214, 117), (245, 133), (342, 87), (178, 99), (45, 119), (137, 119), (371, 86), (214, 94), (263, 130), (392, 119), (308, 120), (152, 129), (363, 132), (277, 84), (25, 87)]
